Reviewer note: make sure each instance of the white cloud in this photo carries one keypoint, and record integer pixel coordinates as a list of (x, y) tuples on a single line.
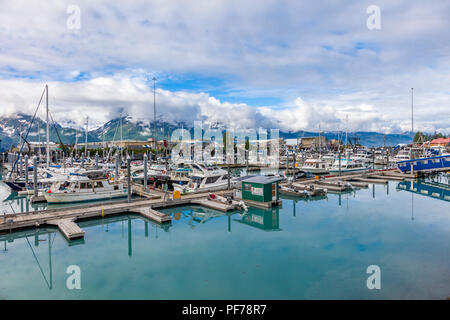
[(108, 97), (321, 52)]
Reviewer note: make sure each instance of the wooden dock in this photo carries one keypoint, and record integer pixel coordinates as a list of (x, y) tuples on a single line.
[(369, 180), (65, 218), (154, 215), (212, 204), (68, 228)]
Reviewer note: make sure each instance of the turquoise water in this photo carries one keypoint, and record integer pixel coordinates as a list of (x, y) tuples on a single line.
[(303, 250)]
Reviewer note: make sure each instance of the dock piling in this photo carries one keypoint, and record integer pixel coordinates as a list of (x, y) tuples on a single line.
[(117, 167), (26, 171), (129, 178), (145, 171), (35, 185)]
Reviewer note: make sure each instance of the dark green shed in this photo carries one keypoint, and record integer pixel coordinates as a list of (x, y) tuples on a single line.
[(260, 189)]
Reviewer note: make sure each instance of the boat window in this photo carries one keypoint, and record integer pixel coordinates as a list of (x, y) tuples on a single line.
[(98, 184), (89, 185), (83, 185), (116, 187), (212, 179)]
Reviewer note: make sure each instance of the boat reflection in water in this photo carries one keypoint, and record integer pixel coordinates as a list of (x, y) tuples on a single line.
[(45, 235), (430, 189), (264, 219)]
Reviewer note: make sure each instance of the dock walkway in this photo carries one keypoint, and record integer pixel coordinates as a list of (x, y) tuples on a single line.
[(64, 218)]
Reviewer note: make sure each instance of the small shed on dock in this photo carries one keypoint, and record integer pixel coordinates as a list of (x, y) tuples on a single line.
[(261, 189)]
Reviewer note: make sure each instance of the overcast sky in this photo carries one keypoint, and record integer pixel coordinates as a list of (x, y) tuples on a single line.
[(289, 64)]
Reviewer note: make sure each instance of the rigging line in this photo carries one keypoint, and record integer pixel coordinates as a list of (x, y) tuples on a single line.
[(54, 237), (54, 127), (37, 261), (28, 131)]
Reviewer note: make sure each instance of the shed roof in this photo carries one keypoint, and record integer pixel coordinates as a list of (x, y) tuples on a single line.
[(263, 179)]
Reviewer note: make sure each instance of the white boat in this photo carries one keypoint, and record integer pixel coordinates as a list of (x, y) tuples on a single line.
[(381, 157), (348, 166), (402, 155), (316, 165), (80, 189), (204, 179), (363, 155)]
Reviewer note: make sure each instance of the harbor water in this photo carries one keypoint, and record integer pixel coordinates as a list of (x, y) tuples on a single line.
[(306, 249)]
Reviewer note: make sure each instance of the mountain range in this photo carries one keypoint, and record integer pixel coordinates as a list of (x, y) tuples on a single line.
[(134, 129)]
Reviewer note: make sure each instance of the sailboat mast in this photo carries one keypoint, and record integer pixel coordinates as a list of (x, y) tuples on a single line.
[(39, 139), (121, 135), (76, 141), (48, 127), (346, 130), (320, 143), (86, 139), (412, 110)]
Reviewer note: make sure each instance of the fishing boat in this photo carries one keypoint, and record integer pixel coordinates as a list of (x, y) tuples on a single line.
[(316, 165), (381, 157), (81, 189), (402, 155), (180, 176), (348, 166), (204, 179), (362, 155)]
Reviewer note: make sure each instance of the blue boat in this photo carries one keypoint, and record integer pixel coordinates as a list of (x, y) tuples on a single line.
[(439, 163)]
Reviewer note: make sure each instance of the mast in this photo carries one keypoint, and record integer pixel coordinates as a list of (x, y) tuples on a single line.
[(154, 105), (76, 141), (320, 142), (39, 137), (48, 127), (346, 130), (412, 111), (86, 139), (121, 136)]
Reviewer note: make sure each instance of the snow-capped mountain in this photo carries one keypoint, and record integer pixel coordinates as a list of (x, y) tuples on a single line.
[(129, 128)]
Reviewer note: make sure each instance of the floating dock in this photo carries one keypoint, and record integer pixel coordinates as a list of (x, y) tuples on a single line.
[(68, 228), (65, 218)]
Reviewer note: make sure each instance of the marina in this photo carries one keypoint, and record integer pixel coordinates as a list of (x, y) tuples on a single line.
[(212, 158), (353, 232)]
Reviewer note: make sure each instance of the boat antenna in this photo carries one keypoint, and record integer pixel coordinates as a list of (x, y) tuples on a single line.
[(412, 112)]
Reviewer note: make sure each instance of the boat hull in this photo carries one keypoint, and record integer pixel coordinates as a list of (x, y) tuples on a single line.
[(82, 197), (186, 189), (359, 170), (314, 170), (441, 163)]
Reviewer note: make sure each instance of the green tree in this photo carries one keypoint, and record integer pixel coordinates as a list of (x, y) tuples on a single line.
[(420, 137)]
